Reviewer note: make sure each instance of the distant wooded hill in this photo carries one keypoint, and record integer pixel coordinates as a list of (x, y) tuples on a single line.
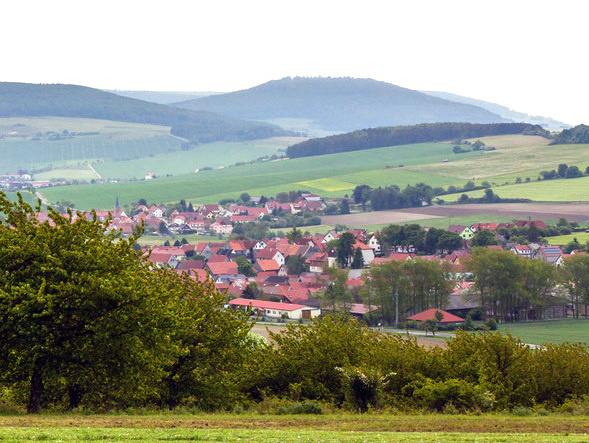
[(36, 100), (577, 135), (503, 111), (405, 135), (340, 104), (162, 97)]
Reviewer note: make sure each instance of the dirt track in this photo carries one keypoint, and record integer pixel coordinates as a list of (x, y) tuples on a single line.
[(429, 342), (578, 212)]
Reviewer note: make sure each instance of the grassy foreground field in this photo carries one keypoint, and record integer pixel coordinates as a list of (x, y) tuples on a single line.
[(272, 428)]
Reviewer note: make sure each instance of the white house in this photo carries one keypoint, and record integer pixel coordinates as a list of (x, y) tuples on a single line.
[(275, 309)]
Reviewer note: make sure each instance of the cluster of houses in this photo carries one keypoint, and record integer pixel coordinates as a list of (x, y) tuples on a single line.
[(18, 182), (279, 293), (211, 219), (297, 296)]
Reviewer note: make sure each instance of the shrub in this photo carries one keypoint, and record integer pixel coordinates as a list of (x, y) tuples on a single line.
[(491, 323), (362, 387), (462, 395)]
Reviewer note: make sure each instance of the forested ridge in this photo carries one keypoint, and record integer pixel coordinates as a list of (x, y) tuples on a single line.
[(405, 135), (37, 100), (339, 104), (577, 135)]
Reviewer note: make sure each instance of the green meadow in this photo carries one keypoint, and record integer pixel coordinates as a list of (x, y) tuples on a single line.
[(550, 331), (213, 155), (582, 237), (338, 174), (268, 428), (558, 190)]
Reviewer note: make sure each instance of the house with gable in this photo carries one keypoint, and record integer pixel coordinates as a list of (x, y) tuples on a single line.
[(222, 268), (463, 231), (374, 243), (550, 254), (522, 250), (270, 254)]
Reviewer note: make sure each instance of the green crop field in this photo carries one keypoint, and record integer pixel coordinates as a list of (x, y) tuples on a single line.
[(582, 237), (561, 190), (444, 222), (336, 175), (269, 178), (24, 143), (211, 155), (550, 331)]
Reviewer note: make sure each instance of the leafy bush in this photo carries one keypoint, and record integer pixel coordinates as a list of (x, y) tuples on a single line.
[(462, 395), (362, 387)]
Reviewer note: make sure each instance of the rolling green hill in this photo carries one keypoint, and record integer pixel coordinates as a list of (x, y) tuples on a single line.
[(40, 100), (335, 175), (339, 104)]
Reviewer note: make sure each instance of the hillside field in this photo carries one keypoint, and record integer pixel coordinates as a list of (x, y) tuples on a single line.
[(562, 240), (104, 139), (337, 175), (211, 155)]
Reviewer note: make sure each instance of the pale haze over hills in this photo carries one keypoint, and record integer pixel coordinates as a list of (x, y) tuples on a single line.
[(339, 104)]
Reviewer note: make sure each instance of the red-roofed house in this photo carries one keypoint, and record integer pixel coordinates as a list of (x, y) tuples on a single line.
[(430, 314), (276, 309), (522, 251), (222, 268)]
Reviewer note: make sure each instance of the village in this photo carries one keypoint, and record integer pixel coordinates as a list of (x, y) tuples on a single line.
[(285, 279)]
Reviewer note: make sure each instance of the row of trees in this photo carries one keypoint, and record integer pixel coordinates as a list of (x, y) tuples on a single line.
[(392, 197), (430, 242), (399, 288), (404, 135), (511, 288)]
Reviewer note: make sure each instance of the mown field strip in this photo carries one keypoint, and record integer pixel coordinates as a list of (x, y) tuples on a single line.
[(342, 422), (68, 435)]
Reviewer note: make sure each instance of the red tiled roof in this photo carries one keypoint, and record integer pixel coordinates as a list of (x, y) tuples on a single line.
[(261, 304), (223, 268), (217, 258), (268, 265), (430, 315)]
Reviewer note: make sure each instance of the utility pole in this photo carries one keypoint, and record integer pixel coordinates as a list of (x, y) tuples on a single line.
[(396, 308)]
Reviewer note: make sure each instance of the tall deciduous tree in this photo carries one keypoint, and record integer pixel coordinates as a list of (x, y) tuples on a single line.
[(345, 249), (575, 270), (84, 318)]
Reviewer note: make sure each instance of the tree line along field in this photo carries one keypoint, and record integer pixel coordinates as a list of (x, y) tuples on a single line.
[(336, 175)]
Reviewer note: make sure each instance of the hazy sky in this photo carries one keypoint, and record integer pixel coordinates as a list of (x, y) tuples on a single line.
[(528, 55)]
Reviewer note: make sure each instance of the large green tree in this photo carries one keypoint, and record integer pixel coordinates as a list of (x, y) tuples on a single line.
[(83, 319)]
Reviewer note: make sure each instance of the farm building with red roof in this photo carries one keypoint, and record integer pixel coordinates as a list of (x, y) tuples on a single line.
[(430, 314)]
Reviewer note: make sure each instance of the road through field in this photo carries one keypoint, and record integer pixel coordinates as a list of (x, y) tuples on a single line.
[(578, 212)]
